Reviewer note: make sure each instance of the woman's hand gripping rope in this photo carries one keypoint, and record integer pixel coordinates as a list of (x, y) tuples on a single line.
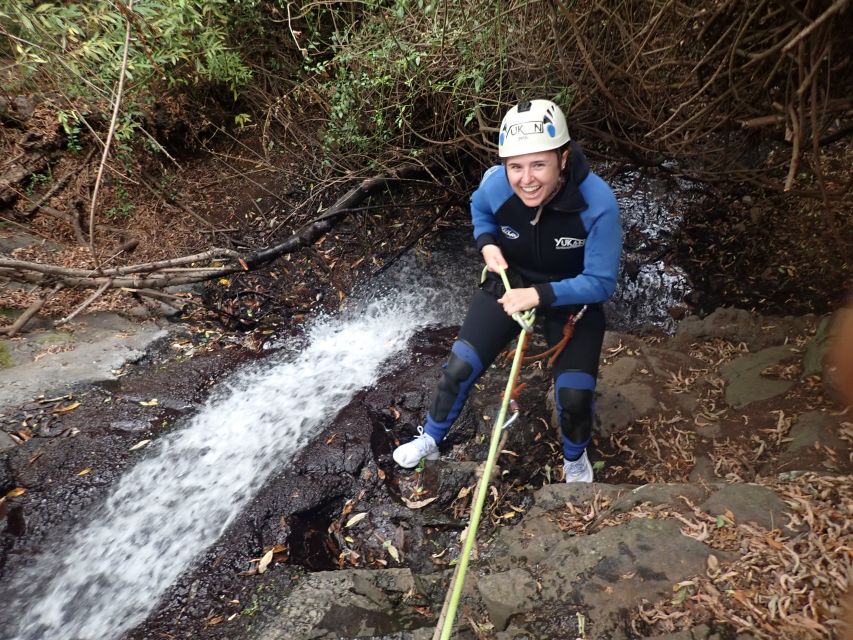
[(518, 303)]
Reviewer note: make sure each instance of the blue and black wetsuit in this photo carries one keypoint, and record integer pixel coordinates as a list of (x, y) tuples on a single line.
[(571, 257)]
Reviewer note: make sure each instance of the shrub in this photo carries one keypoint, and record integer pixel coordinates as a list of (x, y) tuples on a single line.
[(409, 74), (78, 47)]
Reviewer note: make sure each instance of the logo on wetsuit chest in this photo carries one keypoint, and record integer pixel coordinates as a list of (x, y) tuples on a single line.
[(509, 232), (570, 243)]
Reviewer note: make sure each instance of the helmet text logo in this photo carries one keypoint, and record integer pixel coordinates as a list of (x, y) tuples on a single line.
[(526, 128)]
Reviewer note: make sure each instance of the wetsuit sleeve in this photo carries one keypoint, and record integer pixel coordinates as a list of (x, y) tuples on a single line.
[(602, 252), (485, 201)]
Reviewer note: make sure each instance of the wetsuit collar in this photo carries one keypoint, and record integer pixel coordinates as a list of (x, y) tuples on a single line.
[(569, 199)]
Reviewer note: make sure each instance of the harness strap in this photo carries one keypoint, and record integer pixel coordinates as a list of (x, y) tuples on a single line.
[(557, 349)]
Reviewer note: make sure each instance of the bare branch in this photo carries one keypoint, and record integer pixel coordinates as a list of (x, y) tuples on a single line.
[(111, 132)]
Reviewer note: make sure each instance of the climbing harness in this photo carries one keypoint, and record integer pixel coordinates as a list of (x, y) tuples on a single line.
[(448, 617)]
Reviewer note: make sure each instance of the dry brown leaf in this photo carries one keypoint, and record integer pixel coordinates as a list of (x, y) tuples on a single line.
[(67, 408), (265, 561), (139, 445), (418, 504), (17, 491), (355, 519), (84, 471), (393, 551)]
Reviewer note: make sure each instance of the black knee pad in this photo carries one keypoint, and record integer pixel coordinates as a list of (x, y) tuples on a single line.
[(575, 411), (454, 374)]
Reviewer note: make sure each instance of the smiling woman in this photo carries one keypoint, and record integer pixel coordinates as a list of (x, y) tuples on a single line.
[(553, 226), (536, 177)]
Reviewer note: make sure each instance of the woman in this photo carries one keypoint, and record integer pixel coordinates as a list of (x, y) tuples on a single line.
[(554, 226)]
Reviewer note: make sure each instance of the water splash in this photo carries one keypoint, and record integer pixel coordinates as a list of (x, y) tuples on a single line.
[(171, 506)]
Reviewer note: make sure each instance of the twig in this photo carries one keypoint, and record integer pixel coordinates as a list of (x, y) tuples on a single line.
[(837, 6), (302, 50), (33, 309), (160, 295), (86, 302), (178, 205), (795, 151), (60, 184), (365, 188), (413, 239), (111, 132)]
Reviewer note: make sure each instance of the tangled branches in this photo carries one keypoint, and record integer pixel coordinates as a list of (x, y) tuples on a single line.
[(667, 80), (661, 81)]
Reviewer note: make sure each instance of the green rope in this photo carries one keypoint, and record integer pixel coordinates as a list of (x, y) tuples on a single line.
[(523, 318), (526, 322)]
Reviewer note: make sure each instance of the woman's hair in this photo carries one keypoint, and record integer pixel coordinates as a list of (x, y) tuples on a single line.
[(566, 172)]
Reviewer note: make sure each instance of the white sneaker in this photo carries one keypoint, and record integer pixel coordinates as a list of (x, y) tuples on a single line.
[(423, 446), (579, 470)]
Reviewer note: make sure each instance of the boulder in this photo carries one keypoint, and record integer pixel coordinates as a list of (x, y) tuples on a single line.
[(745, 384), (356, 603)]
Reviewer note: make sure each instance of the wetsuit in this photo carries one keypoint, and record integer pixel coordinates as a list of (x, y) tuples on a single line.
[(571, 257)]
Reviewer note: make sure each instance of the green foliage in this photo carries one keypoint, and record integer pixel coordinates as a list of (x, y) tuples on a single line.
[(173, 45), (409, 73), (242, 119), (124, 206), (37, 180), (70, 123)]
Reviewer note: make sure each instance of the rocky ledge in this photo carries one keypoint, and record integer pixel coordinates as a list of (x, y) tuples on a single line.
[(722, 509)]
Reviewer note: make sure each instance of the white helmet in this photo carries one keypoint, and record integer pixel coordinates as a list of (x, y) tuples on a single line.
[(532, 126)]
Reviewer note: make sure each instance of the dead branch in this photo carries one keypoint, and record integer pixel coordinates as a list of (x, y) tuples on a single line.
[(85, 303), (111, 131), (198, 267), (836, 7), (28, 315)]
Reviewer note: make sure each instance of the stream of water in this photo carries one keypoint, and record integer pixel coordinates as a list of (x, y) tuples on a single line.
[(180, 499)]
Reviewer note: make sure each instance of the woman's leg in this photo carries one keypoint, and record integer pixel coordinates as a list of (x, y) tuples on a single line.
[(485, 332), (575, 372)]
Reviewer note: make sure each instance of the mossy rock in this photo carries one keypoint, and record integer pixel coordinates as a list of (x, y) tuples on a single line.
[(5, 356), (55, 337)]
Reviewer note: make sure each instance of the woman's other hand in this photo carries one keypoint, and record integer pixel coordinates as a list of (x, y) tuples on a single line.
[(494, 258), (519, 300)]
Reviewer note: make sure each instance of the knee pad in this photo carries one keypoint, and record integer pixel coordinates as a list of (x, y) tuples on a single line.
[(575, 395), (462, 368)]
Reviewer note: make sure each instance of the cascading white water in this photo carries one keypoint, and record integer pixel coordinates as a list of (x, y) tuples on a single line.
[(180, 499)]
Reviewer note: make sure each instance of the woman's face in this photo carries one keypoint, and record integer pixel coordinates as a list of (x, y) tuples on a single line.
[(534, 177)]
